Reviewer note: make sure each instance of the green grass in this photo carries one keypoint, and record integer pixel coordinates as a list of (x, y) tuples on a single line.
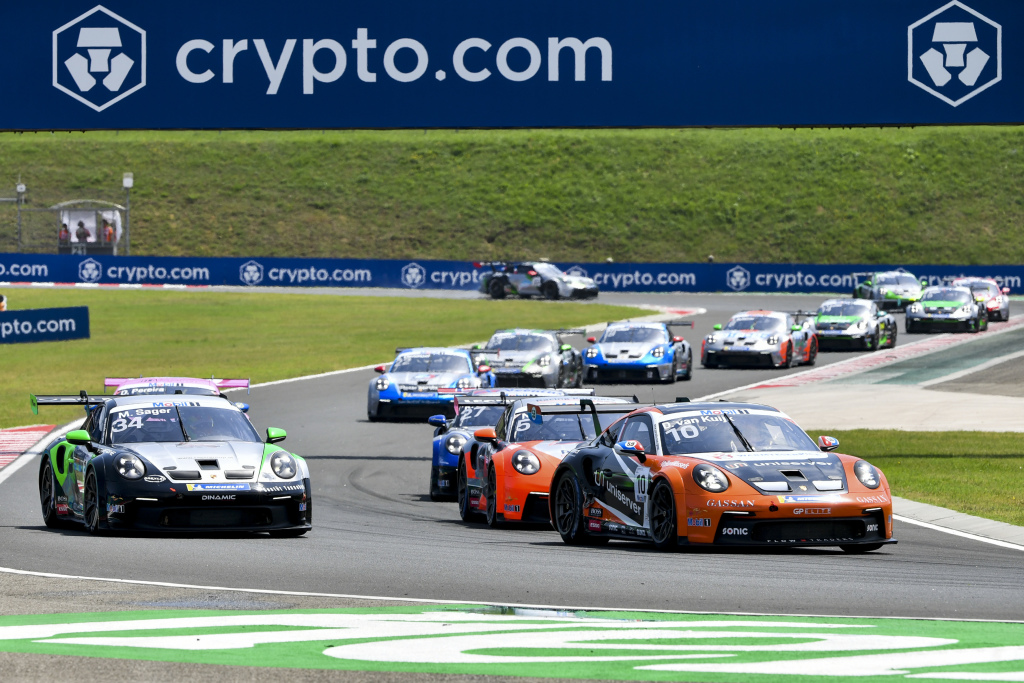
[(926, 195), (978, 473), (260, 336)]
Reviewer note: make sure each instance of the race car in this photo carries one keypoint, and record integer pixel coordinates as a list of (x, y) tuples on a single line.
[(533, 278), (171, 463), (947, 309), (987, 291), (473, 410), (533, 358), (762, 338), (854, 324), (631, 352), (723, 474), (505, 472), (422, 381), (889, 289), (139, 386)]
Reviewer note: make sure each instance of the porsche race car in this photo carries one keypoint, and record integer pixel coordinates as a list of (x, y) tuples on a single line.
[(629, 352), (987, 291), (183, 463), (723, 474), (762, 338), (533, 278), (947, 309), (532, 358), (854, 324), (889, 289), (504, 472), (473, 410), (421, 382)]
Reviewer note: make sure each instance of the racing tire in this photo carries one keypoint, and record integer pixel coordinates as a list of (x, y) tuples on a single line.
[(47, 501), (812, 357), (373, 416), (550, 291), (860, 548), (496, 289), (569, 521), (787, 362), (578, 383), (892, 337), (708, 364), (467, 513), (492, 517), (911, 328), (689, 368), (663, 516), (91, 504), (876, 341), (672, 374), (287, 533)]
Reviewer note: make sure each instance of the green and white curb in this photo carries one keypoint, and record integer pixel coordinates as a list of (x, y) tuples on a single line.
[(484, 640)]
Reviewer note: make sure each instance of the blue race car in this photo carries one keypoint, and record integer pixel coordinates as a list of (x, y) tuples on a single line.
[(631, 352), (422, 382), (473, 410)]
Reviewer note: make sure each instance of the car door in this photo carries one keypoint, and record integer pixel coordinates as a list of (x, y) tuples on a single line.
[(74, 484), (529, 280), (627, 480)]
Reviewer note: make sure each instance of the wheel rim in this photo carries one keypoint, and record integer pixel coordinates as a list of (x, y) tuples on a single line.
[(46, 491), (92, 509), (661, 514), (492, 504), (565, 506)]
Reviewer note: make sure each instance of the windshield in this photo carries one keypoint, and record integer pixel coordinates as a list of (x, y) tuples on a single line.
[(164, 424), (438, 362), (895, 279), (944, 294), (849, 308), (574, 427), (478, 416), (519, 342), (760, 323), (634, 334), (715, 434), (547, 270), (147, 391), (985, 288)]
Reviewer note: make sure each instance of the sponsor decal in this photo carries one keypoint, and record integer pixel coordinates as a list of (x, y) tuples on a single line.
[(807, 499), (90, 271), (413, 275), (812, 511), (698, 521), (595, 512), (302, 507), (737, 278), (873, 499), (673, 463), (155, 478), (735, 531), (62, 505), (623, 498), (250, 273), (511, 508), (728, 411), (593, 525), (114, 508), (641, 482), (284, 487), (715, 503), (217, 487), (220, 497), (443, 482), (872, 527), (171, 404)]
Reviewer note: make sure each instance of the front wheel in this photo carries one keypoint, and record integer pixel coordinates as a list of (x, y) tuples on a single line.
[(466, 511), (875, 341), (550, 290), (860, 548), (689, 368), (673, 373), (491, 491), (892, 337), (91, 504), (47, 500), (787, 361), (663, 516), (568, 512), (496, 289), (812, 356)]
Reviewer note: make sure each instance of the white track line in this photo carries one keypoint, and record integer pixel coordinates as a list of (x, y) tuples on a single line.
[(970, 371), (963, 534)]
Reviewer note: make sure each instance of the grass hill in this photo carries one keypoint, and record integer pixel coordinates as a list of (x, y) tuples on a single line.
[(925, 195)]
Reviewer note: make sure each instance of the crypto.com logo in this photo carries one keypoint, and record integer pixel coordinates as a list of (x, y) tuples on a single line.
[(250, 273), (413, 275), (90, 270), (737, 278), (99, 58), (954, 53)]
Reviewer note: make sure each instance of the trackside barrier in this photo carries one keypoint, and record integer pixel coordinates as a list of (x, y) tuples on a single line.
[(44, 324), (460, 275)]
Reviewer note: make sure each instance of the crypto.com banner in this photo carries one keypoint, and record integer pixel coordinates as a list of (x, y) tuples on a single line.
[(460, 275), (460, 63)]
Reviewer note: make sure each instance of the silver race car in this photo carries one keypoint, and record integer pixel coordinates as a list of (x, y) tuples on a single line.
[(889, 289), (947, 309), (987, 291), (532, 358), (534, 278), (762, 338), (854, 324)]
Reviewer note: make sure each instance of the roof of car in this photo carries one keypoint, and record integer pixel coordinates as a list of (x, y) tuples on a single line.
[(973, 280), (432, 349), (845, 300), (628, 323), (771, 314), (940, 287)]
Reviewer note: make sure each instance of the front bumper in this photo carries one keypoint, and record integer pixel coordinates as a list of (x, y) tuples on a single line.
[(745, 531), (829, 340), (581, 293), (626, 372), (938, 324), (516, 378), (750, 358), (443, 481)]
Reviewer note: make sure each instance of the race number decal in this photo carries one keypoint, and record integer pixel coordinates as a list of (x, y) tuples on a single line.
[(641, 484), (683, 432), (120, 424)]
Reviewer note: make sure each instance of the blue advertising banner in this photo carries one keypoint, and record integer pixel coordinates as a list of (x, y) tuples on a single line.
[(44, 324), (461, 275), (74, 64)]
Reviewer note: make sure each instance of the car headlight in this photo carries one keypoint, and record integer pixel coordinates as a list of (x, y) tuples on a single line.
[(544, 361), (867, 474), (454, 443), (773, 340), (711, 339), (130, 467), (710, 478), (525, 462), (658, 352), (915, 308), (468, 382), (283, 465), (382, 383), (963, 311), (858, 326), (591, 352)]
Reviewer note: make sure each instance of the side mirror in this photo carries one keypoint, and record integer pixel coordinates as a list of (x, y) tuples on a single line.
[(274, 435), (631, 447), (478, 347), (924, 283), (867, 283), (78, 437), (593, 340), (485, 434), (437, 421), (796, 328), (828, 443), (244, 407), (879, 314), (565, 347), (1005, 290), (718, 326), (676, 340), (380, 369), (483, 369)]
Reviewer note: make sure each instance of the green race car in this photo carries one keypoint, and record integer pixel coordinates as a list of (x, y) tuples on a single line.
[(889, 289), (947, 309), (854, 324)]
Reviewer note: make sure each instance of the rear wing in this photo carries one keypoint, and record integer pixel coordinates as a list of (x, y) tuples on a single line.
[(585, 406), (493, 265), (803, 314), (83, 399), (504, 399), (220, 383), (679, 323), (569, 330)]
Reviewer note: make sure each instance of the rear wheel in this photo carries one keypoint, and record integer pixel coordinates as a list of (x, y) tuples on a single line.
[(663, 516), (787, 361), (892, 337), (91, 504), (689, 367), (466, 511), (491, 491), (875, 341), (496, 289), (812, 355), (860, 548), (47, 500), (550, 290)]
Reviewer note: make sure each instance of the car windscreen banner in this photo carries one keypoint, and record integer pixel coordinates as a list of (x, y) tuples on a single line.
[(319, 64), (44, 324), (180, 271)]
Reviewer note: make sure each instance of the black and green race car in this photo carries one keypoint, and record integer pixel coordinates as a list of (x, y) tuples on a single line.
[(854, 324), (947, 309), (889, 289)]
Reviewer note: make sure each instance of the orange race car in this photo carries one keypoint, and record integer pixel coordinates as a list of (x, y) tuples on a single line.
[(504, 472), (718, 473)]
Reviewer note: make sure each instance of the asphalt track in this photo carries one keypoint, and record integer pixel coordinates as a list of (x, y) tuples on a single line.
[(377, 533)]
